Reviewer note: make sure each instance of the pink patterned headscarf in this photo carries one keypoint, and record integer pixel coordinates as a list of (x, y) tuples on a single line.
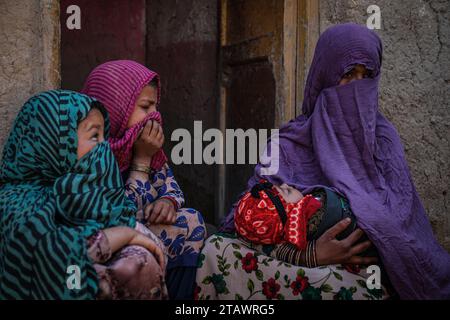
[(117, 84)]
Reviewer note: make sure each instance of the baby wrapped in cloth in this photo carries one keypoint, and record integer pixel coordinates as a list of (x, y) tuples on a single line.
[(271, 215), (263, 216)]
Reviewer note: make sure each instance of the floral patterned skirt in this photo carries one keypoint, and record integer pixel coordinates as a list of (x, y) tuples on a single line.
[(228, 269)]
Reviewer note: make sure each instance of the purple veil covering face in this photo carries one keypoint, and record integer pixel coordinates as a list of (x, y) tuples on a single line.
[(342, 141)]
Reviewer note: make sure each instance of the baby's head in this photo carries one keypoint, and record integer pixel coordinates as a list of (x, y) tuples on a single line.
[(278, 198), (289, 194)]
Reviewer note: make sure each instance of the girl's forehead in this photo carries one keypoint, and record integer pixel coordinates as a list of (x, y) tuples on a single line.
[(93, 116), (148, 89)]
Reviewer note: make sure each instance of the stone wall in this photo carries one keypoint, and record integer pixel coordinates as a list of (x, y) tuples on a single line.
[(415, 89), (29, 55)]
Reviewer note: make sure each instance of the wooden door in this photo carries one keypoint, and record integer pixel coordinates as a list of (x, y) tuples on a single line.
[(264, 49)]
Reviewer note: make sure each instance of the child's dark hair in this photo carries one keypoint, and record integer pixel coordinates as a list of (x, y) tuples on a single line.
[(154, 83), (95, 104)]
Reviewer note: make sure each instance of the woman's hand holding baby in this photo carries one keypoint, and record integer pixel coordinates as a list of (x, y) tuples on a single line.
[(149, 142), (332, 251)]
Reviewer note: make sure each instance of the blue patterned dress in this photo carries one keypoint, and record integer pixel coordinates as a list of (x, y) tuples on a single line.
[(183, 240)]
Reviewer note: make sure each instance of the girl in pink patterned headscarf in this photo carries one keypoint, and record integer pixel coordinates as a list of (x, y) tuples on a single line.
[(131, 94)]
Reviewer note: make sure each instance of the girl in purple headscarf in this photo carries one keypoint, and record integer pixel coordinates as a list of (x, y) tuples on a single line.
[(342, 141)]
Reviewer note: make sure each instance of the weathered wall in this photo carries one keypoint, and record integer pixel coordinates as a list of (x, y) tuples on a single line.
[(29, 54), (415, 89)]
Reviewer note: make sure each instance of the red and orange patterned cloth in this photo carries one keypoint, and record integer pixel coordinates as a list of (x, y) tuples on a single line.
[(258, 220)]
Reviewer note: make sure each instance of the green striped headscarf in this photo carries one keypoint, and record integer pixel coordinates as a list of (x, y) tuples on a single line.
[(50, 202)]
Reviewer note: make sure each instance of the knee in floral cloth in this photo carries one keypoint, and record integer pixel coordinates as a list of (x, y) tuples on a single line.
[(134, 273)]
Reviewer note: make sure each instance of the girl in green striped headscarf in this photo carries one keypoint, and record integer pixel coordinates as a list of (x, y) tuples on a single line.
[(66, 228)]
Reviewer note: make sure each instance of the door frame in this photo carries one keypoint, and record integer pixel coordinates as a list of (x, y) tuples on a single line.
[(301, 31), (300, 34)]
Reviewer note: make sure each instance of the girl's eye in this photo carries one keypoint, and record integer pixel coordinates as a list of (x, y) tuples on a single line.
[(95, 137)]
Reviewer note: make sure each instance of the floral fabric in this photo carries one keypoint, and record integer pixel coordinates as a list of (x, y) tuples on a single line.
[(184, 239), (230, 270)]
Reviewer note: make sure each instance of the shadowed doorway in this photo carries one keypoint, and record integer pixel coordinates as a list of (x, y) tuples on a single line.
[(228, 63)]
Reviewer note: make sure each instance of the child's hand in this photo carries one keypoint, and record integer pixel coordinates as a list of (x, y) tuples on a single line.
[(149, 142), (162, 211)]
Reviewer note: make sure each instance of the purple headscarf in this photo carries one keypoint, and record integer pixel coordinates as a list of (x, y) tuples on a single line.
[(342, 141)]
